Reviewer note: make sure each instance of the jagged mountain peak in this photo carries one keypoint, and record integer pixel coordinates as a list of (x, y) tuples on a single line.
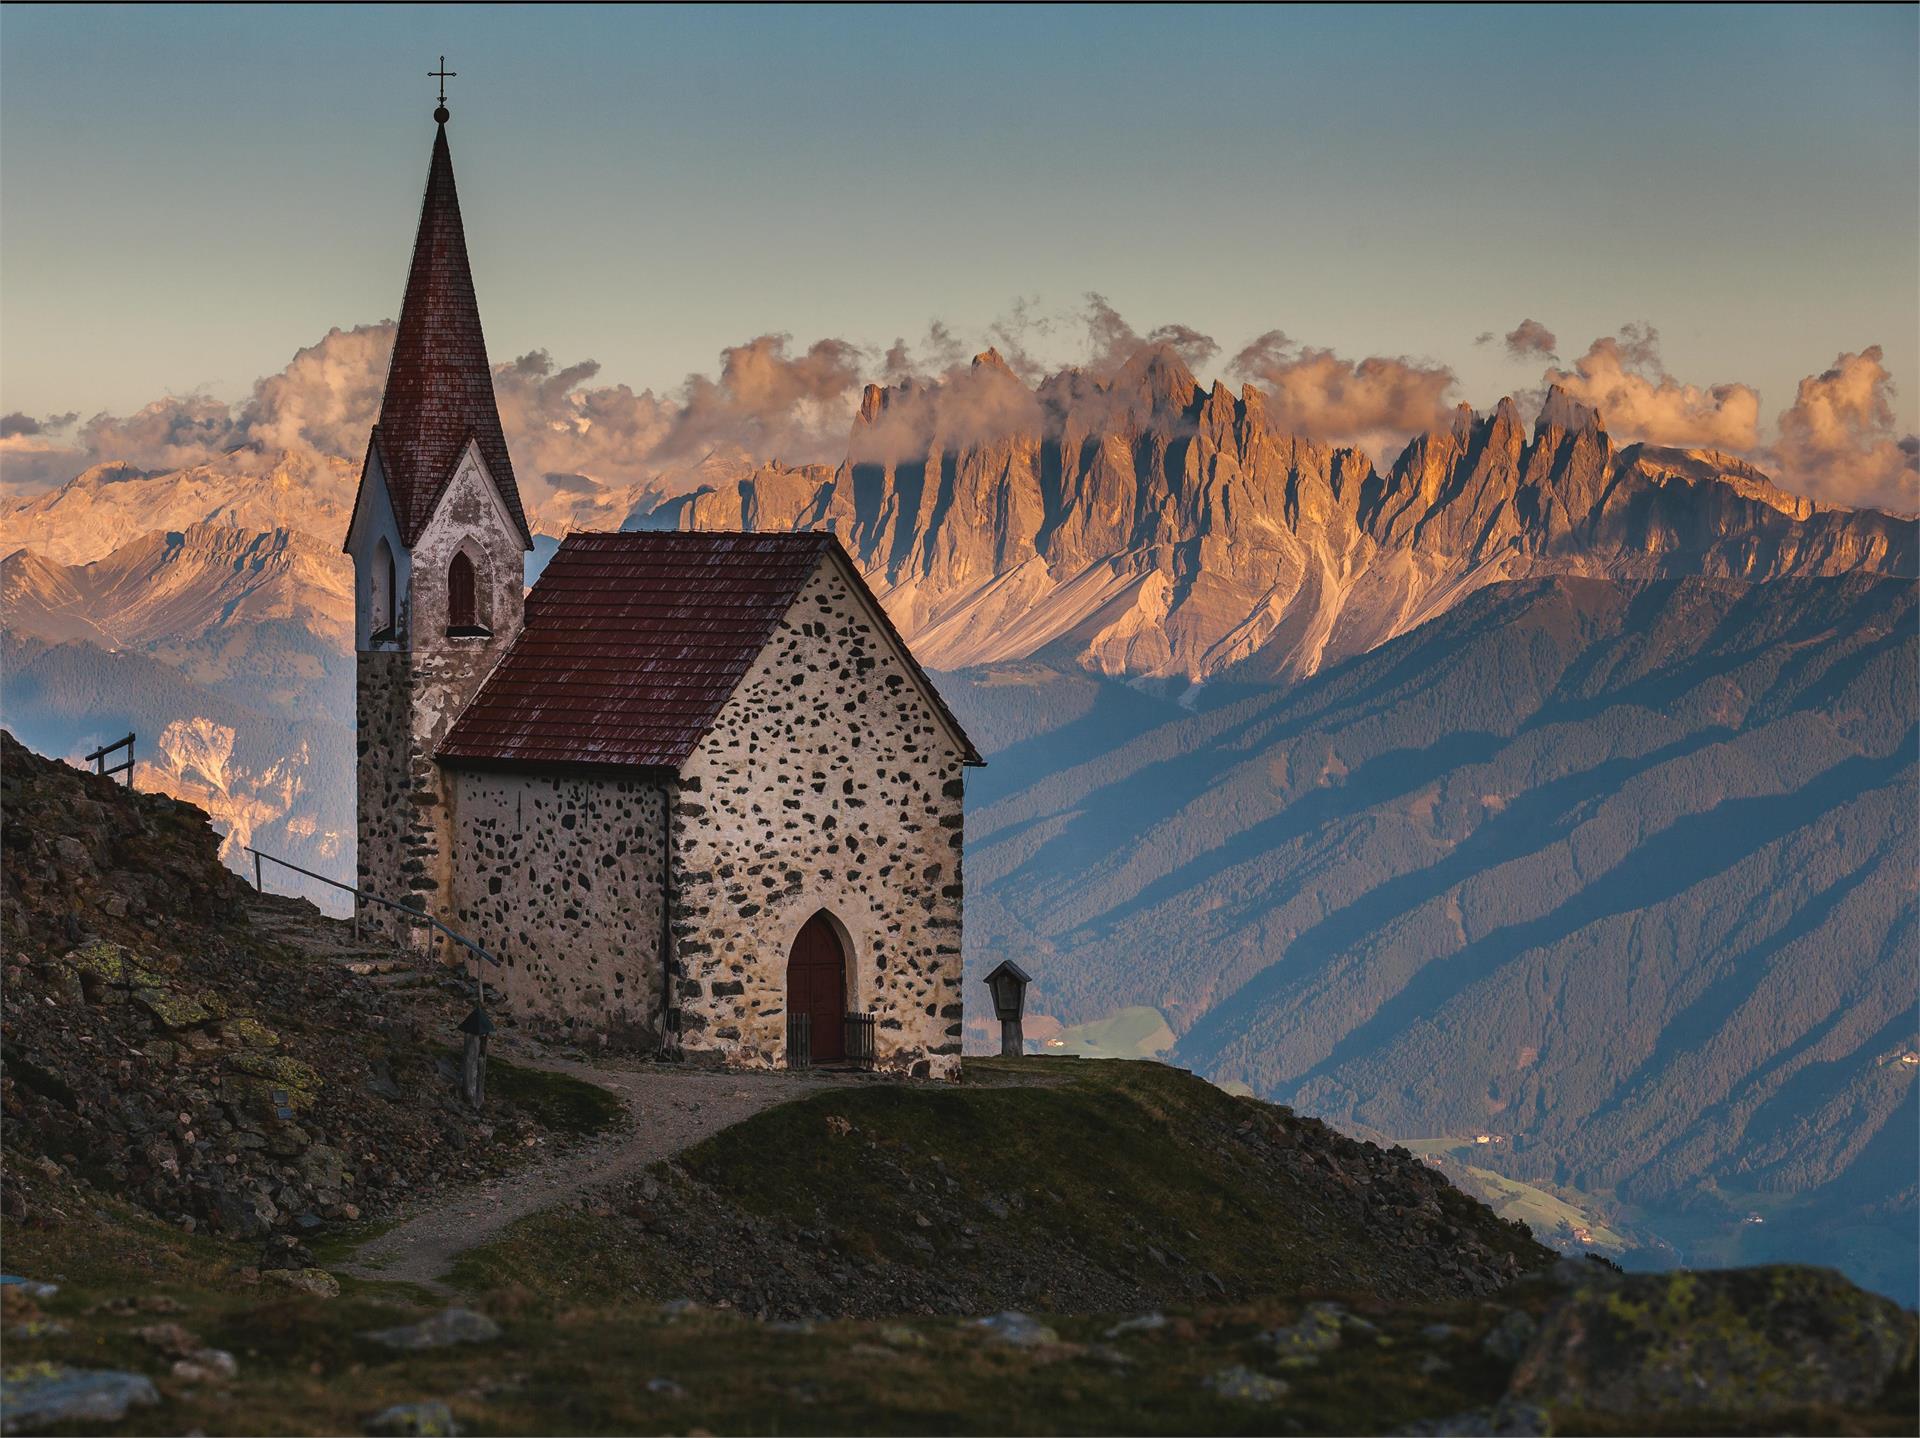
[(1561, 411), (1146, 526), (1157, 375)]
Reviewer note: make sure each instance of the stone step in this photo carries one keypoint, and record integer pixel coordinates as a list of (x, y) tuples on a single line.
[(383, 964), (402, 978)]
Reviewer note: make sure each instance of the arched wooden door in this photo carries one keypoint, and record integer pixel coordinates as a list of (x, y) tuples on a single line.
[(817, 986)]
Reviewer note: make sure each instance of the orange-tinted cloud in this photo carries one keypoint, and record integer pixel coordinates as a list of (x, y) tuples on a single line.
[(1837, 440), (770, 402), (1622, 377), (1375, 403), (1530, 338)]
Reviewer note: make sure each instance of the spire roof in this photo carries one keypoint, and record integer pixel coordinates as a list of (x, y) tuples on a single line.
[(439, 387)]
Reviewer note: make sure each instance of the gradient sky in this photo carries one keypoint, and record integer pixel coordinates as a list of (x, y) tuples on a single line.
[(188, 195)]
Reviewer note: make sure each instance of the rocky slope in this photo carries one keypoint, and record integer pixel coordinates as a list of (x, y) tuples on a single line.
[(162, 1058), (159, 1045)]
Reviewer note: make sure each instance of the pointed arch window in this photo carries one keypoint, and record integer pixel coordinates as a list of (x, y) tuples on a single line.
[(383, 586), (465, 617)]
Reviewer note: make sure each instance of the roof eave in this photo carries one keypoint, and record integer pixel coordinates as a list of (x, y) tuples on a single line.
[(573, 768)]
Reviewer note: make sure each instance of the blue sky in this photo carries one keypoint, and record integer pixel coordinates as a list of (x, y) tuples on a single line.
[(187, 195)]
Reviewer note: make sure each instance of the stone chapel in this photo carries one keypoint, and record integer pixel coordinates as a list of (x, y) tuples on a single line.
[(691, 789)]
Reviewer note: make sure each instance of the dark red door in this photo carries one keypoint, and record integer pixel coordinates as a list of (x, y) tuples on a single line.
[(817, 985)]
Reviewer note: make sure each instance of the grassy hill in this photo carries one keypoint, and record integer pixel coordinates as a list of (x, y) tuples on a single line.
[(1051, 1184)]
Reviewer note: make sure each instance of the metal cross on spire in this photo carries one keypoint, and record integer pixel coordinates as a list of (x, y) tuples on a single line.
[(443, 74)]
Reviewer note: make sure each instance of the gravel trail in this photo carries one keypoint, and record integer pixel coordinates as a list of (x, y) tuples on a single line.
[(671, 1108)]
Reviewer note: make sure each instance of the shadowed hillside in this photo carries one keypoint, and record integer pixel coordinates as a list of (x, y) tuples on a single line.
[(1624, 877)]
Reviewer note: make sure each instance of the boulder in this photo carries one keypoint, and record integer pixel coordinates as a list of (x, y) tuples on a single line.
[(314, 1282), (451, 1326), (38, 1395), (414, 1420), (1020, 1330)]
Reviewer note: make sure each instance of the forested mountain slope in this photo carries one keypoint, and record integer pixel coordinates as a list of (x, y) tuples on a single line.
[(1624, 877)]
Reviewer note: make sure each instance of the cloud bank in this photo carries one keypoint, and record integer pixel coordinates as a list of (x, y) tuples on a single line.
[(573, 435), (1376, 403)]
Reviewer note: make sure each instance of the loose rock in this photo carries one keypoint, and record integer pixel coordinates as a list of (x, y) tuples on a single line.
[(414, 1420), (444, 1329), (207, 1365), (1245, 1386), (38, 1395), (315, 1282), (1020, 1330)]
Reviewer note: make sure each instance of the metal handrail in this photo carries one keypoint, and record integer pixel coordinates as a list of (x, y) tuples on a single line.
[(259, 884), (412, 913)]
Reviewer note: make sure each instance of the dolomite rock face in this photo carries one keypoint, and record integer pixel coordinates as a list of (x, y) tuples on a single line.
[(1145, 526), (563, 880), (828, 783)]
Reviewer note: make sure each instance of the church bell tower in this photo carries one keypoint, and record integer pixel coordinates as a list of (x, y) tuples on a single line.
[(437, 539)]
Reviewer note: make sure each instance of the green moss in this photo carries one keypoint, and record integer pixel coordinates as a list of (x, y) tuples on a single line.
[(249, 1033), (557, 1101), (109, 964), (176, 1011), (300, 1082), (1759, 1341)]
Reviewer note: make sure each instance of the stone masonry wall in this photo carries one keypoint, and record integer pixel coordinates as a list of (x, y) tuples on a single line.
[(562, 879), (384, 778), (828, 782), (406, 852)]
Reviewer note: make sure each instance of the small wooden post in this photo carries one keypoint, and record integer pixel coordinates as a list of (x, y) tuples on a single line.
[(473, 1071), (259, 884), (1008, 985)]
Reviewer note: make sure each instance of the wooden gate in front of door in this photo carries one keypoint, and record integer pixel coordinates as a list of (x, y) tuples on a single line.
[(817, 987)]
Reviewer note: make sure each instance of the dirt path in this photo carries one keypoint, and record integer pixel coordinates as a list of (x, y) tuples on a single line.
[(671, 1108)]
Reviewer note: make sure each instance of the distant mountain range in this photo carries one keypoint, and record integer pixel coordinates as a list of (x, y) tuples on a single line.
[(1535, 789), (1149, 527)]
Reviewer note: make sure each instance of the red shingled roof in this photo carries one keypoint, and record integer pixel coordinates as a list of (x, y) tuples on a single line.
[(632, 644), (439, 385)]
